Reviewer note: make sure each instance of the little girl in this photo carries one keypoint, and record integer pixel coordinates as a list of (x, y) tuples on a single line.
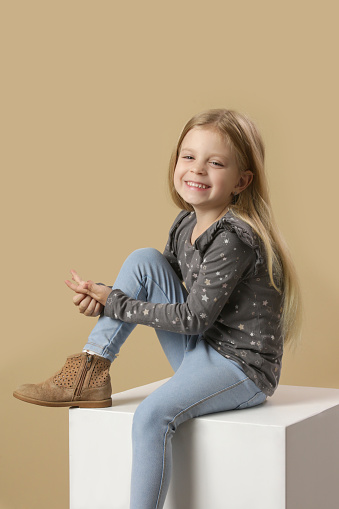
[(222, 299)]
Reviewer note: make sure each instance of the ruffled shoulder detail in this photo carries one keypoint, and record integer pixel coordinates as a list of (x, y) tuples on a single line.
[(228, 222), (243, 230)]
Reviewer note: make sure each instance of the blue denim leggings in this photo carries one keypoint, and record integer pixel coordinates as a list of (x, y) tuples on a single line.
[(204, 381)]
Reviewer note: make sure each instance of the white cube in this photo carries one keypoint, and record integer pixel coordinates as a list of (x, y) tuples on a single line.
[(283, 454)]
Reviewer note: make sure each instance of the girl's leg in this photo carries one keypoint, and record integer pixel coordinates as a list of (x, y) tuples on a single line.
[(84, 379), (205, 383), (145, 275)]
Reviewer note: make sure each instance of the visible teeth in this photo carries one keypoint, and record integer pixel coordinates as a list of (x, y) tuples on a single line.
[(193, 184)]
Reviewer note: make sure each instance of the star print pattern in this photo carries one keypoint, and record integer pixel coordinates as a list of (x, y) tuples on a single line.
[(239, 318)]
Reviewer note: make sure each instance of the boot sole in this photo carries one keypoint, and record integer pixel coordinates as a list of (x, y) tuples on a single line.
[(78, 404)]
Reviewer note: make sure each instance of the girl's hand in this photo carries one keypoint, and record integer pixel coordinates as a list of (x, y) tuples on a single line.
[(96, 292), (87, 305)]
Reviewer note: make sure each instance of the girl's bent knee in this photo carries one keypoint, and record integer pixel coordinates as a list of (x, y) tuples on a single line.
[(143, 415), (144, 254), (144, 259), (148, 417), (141, 422)]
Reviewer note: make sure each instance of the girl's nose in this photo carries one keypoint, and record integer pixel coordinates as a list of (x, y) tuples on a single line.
[(199, 168)]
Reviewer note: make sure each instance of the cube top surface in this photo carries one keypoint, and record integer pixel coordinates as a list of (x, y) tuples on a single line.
[(289, 405)]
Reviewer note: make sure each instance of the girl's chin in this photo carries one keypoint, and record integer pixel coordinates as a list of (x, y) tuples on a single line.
[(194, 203), (204, 205), (200, 196), (195, 199)]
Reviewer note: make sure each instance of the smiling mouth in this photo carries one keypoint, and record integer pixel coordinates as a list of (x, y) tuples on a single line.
[(196, 185)]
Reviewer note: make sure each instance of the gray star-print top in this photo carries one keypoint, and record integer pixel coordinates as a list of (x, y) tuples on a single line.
[(231, 302)]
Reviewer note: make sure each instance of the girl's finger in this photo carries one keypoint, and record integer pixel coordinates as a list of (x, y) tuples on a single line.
[(90, 307), (76, 288), (71, 285), (76, 277), (78, 297), (97, 309), (93, 288), (83, 306)]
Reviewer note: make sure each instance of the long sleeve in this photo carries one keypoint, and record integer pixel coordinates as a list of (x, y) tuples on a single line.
[(226, 261)]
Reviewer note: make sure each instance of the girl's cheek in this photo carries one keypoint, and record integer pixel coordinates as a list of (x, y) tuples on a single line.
[(176, 184), (176, 178)]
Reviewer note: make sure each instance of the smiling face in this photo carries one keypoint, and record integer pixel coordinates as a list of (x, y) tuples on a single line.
[(206, 174)]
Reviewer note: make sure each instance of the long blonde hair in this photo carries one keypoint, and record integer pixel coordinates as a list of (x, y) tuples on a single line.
[(252, 205)]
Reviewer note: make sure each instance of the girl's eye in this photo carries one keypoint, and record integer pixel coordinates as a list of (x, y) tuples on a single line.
[(215, 163), (188, 157)]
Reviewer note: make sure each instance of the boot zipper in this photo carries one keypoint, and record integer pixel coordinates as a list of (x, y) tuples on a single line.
[(86, 368)]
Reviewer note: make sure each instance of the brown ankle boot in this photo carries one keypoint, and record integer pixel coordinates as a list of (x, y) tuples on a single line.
[(83, 381)]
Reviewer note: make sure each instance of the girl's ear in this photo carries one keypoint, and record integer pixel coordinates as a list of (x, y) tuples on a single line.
[(244, 181)]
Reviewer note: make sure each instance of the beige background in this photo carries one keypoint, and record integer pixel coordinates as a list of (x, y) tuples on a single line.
[(94, 95)]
